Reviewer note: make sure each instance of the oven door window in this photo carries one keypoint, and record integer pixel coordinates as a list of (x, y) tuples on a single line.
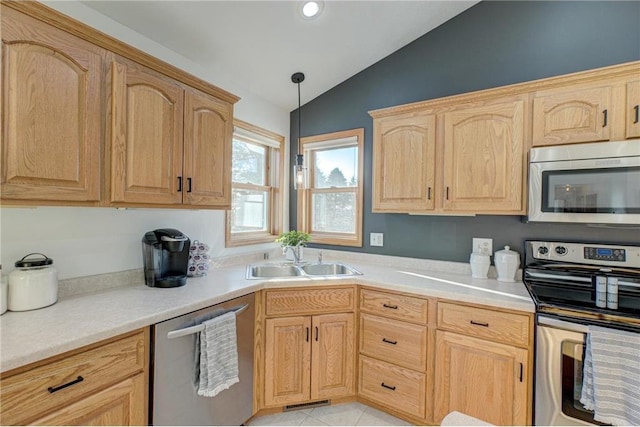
[(607, 190), (572, 357)]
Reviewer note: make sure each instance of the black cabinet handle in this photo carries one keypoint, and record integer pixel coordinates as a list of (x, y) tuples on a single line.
[(486, 325), (179, 184), (447, 196), (429, 193), (307, 334), (189, 185), (637, 113), (316, 333), (521, 371), (69, 384), (604, 113), (388, 386), (392, 307), (389, 341)]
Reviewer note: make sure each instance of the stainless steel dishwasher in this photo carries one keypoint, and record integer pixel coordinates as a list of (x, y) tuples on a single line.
[(174, 400)]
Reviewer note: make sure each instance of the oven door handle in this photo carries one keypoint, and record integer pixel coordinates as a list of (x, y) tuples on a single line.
[(561, 324)]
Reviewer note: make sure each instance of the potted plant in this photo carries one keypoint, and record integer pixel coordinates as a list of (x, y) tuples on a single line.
[(294, 240)]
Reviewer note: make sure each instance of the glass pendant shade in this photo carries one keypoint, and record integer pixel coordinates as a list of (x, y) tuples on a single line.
[(299, 174)]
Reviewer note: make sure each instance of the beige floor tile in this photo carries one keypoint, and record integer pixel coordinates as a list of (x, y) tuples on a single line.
[(374, 417), (310, 421), (345, 414), (294, 418)]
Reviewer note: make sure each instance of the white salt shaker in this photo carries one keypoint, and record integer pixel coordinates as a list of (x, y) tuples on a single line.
[(507, 263)]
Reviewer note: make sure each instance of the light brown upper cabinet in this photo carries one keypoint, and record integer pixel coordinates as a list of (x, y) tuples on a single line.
[(569, 115), (633, 109), (484, 157), (52, 113), (404, 162), (170, 145)]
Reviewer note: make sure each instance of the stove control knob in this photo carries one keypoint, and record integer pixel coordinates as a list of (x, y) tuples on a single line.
[(561, 250), (543, 250)]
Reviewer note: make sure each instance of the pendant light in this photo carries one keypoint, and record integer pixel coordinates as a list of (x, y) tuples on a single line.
[(299, 171)]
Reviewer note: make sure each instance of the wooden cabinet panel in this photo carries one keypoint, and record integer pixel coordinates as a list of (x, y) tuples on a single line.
[(483, 379), (333, 356), (119, 405), (287, 360), (147, 136), (309, 301), (207, 150), (397, 342), (52, 96), (571, 115), (484, 158), (404, 163), (392, 386), (633, 109), (509, 328), (399, 307)]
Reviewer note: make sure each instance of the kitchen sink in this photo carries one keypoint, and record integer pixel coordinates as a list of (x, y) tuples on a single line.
[(329, 269)]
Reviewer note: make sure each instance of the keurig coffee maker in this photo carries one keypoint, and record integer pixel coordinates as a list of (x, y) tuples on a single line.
[(166, 256)]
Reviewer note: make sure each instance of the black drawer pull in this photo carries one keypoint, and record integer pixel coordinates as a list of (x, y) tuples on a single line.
[(179, 184), (69, 384), (189, 185), (637, 112), (388, 386), (392, 307), (389, 341), (486, 325), (604, 113)]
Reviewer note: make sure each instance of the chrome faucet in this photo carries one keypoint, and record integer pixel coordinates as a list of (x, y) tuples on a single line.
[(295, 250)]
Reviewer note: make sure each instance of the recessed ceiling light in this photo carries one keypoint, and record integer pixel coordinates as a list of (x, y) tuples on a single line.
[(311, 9)]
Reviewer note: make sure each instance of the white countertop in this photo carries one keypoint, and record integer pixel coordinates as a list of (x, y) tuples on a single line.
[(78, 320)]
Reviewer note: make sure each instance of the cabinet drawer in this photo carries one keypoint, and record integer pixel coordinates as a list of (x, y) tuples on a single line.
[(395, 306), (401, 343), (498, 326), (392, 386), (39, 389), (309, 301)]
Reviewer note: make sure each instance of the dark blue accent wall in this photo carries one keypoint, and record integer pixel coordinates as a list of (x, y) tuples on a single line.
[(494, 43)]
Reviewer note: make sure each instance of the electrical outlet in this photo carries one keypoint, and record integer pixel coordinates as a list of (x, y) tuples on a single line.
[(376, 239), (482, 246)]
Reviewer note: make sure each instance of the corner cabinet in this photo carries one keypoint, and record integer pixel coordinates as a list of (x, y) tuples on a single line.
[(309, 346), (52, 91), (102, 384), (169, 145)]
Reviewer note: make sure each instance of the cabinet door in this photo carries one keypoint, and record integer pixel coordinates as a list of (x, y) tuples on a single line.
[(484, 158), (403, 163), (52, 96), (287, 376), (566, 116), (207, 150), (333, 356), (146, 137), (633, 109), (480, 378), (123, 404)]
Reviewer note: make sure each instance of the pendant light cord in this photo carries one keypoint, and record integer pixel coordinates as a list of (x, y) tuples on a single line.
[(299, 122)]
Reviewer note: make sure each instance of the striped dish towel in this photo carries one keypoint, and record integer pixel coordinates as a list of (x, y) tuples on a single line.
[(218, 355), (611, 376)]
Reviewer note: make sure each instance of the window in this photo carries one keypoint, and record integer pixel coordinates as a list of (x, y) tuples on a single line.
[(330, 209), (256, 197)]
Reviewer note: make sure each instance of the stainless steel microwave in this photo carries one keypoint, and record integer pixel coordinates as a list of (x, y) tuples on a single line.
[(594, 183)]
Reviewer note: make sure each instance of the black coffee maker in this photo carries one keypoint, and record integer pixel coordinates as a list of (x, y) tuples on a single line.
[(166, 257)]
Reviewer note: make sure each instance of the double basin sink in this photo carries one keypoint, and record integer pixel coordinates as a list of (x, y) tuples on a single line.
[(329, 269)]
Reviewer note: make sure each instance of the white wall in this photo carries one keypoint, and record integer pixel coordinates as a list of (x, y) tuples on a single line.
[(87, 241)]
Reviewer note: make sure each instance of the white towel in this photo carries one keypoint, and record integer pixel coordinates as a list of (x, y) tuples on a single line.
[(611, 376), (218, 355)]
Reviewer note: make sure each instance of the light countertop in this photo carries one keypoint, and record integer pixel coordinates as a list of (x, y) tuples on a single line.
[(82, 319)]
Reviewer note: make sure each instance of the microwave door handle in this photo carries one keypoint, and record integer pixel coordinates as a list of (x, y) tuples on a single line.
[(561, 324)]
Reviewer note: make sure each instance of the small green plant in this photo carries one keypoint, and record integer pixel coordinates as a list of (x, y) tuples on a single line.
[(294, 238)]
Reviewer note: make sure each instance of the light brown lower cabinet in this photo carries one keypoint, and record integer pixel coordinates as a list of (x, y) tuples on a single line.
[(309, 358), (484, 379), (101, 384)]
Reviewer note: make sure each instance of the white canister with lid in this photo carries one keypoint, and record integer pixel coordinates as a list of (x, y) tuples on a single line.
[(507, 263), (34, 283), (479, 265)]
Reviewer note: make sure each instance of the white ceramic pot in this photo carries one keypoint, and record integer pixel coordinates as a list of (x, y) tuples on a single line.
[(33, 284), (507, 263), (479, 265)]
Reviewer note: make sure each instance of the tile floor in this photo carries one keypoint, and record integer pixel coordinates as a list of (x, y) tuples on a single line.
[(345, 414)]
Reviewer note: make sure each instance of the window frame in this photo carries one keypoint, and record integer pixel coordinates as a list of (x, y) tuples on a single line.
[(310, 145), (274, 178)]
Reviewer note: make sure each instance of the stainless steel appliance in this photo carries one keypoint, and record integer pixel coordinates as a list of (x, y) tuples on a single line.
[(165, 254), (175, 400), (595, 183), (564, 279)]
